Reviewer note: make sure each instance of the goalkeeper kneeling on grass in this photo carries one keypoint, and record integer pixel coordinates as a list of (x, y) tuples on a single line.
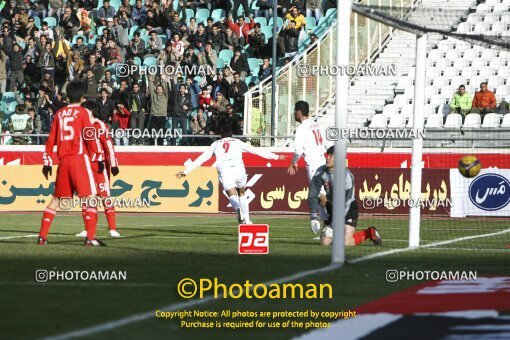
[(324, 177)]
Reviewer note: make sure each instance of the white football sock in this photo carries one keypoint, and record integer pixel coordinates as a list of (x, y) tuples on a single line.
[(245, 207), (234, 201)]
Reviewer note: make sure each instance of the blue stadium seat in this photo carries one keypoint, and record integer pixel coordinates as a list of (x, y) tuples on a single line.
[(202, 12), (226, 55), (52, 22), (148, 61), (268, 31), (310, 22), (254, 64), (220, 63), (261, 20), (8, 97), (279, 22), (100, 30), (10, 108), (37, 22), (133, 29), (217, 14), (137, 61), (92, 41), (115, 4)]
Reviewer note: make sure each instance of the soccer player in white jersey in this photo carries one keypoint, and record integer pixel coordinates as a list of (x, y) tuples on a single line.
[(309, 142), (230, 165)]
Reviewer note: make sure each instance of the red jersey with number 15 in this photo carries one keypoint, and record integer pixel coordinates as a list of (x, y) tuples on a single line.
[(67, 130)]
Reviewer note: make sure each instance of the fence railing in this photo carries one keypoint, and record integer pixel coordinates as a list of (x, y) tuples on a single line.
[(293, 83)]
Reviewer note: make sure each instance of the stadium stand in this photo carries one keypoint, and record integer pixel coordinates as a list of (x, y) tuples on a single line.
[(130, 27)]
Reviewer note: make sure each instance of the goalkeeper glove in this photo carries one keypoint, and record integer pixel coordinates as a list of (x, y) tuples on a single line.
[(315, 225), (115, 170), (100, 167), (46, 170)]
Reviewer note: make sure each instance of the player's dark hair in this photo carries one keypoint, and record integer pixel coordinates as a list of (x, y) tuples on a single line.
[(303, 107), (75, 91), (331, 150), (226, 128), (92, 107)]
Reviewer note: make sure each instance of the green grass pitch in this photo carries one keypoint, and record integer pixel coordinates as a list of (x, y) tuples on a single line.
[(157, 251)]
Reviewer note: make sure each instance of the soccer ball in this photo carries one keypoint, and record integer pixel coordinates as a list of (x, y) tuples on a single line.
[(469, 166), (327, 236)]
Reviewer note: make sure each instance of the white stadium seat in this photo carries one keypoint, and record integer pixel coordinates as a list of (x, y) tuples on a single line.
[(471, 54), (462, 45), (482, 27), (430, 91), (472, 120), (489, 54), (487, 72), (491, 120), (475, 82), (407, 110), (464, 27), (501, 8), (473, 18), (505, 17), (441, 82), (496, 63), (452, 55), (400, 100), (409, 91), (443, 63), (437, 100), (434, 121), (469, 72), (483, 8), (379, 121), (506, 121), (451, 72), (459, 80), (496, 81), (491, 18), (453, 120), (480, 62), (429, 110), (445, 45), (461, 63), (397, 121), (403, 82), (503, 90), (504, 72), (432, 72), (409, 121), (436, 54), (499, 27), (447, 91), (390, 110)]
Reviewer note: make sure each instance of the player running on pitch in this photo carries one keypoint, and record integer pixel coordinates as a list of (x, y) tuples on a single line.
[(324, 177), (74, 173), (105, 146), (230, 165)]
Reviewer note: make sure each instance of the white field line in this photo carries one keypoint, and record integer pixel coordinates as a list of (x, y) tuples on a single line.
[(176, 306)]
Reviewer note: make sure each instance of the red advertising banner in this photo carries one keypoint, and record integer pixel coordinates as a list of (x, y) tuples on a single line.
[(176, 156), (381, 191)]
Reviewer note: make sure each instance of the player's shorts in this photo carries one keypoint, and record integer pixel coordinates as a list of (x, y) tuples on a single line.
[(232, 178), (102, 181), (351, 218), (311, 169), (74, 174)]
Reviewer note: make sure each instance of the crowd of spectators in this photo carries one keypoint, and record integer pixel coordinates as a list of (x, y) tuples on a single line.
[(47, 44)]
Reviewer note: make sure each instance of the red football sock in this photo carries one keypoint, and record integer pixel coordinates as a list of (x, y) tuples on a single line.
[(47, 218), (362, 235), (91, 222), (110, 217), (83, 213)]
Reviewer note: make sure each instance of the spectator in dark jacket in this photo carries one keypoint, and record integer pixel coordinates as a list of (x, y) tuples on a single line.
[(257, 42), (291, 36), (239, 64), (16, 59), (137, 104), (106, 107), (216, 38), (236, 91), (266, 70), (182, 105)]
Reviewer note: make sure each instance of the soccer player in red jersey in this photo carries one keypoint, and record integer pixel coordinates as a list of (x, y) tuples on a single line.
[(74, 173), (105, 146)]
